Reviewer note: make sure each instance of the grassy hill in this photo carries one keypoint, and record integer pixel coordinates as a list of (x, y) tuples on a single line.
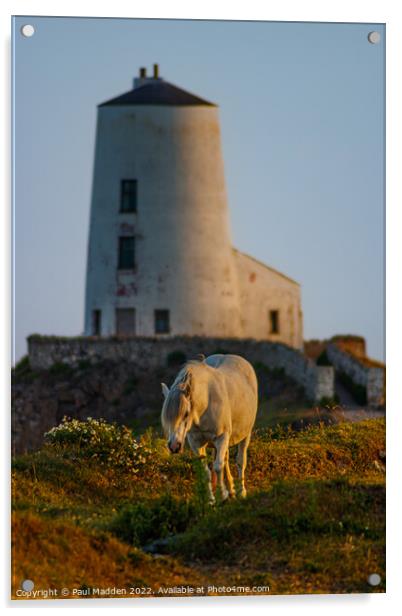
[(87, 503)]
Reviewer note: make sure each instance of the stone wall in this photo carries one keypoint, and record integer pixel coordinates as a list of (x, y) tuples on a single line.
[(111, 390), (361, 372), (151, 353)]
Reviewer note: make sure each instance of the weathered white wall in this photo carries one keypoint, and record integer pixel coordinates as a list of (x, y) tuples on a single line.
[(263, 289), (183, 249)]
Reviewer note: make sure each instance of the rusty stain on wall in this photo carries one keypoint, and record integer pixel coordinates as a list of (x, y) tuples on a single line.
[(126, 290)]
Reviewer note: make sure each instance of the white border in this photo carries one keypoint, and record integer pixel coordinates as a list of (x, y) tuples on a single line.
[(284, 10)]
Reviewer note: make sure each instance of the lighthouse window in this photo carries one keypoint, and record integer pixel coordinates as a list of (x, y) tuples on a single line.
[(274, 321), (162, 325), (126, 252), (128, 196)]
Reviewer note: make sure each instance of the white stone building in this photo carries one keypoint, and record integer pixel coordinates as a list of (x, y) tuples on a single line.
[(160, 258)]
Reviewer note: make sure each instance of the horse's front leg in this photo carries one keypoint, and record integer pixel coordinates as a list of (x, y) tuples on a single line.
[(201, 452), (222, 446)]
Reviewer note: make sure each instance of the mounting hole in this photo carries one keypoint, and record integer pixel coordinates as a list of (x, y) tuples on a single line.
[(27, 585), (27, 30), (374, 37), (374, 579)]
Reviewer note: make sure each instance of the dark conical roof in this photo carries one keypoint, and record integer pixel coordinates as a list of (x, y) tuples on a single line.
[(158, 92)]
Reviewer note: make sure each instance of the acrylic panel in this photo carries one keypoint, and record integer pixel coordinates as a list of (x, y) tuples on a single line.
[(198, 380)]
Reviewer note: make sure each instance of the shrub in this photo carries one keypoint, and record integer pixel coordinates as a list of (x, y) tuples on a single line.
[(275, 373), (149, 520), (289, 514), (61, 369), (278, 373), (109, 444), (201, 490), (347, 337), (176, 358), (84, 364), (358, 392), (130, 385), (323, 359), (146, 521), (23, 370), (23, 364), (329, 402)]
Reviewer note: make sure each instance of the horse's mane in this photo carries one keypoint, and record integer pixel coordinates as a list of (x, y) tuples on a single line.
[(182, 385), (185, 372), (171, 406)]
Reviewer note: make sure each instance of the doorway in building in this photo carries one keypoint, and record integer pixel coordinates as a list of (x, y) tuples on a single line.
[(125, 321)]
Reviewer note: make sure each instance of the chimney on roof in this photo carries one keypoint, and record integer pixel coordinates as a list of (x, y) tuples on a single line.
[(143, 80)]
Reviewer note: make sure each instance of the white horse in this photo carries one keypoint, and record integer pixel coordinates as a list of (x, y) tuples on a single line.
[(213, 403)]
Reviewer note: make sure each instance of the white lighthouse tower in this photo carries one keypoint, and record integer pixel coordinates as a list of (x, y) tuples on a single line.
[(160, 260)]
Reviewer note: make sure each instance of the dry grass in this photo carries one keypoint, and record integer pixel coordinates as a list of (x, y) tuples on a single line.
[(61, 554)]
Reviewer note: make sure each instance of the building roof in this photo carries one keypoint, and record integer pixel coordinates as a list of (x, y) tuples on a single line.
[(158, 92), (271, 269)]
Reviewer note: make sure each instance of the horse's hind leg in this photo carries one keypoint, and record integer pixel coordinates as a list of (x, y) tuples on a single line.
[(241, 461), (229, 477)]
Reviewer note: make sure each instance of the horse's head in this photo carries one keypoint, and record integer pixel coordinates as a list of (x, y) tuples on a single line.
[(177, 413)]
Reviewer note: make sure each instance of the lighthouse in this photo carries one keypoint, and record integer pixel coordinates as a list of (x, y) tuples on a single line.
[(159, 254), (160, 259)]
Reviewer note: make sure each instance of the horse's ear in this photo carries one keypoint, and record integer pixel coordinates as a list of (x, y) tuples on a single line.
[(165, 390)]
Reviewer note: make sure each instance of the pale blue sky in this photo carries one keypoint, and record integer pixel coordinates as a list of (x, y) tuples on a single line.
[(302, 118)]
